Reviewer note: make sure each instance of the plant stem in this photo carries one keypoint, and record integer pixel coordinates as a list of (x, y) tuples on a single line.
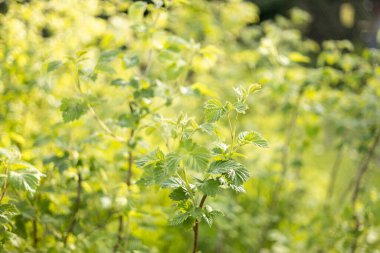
[(196, 226), (5, 185), (119, 234), (76, 209), (285, 150), (361, 171), (128, 182), (35, 233), (334, 173), (93, 112)]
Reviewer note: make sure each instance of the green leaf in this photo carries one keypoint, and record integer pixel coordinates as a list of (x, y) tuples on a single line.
[(25, 179), (214, 110), (179, 194), (105, 67), (136, 11), (131, 61), (152, 158), (12, 154), (72, 109), (252, 137), (207, 128), (196, 157), (235, 172), (172, 162), (108, 56), (54, 65), (210, 187), (127, 120), (119, 82), (197, 213), (8, 209), (179, 219), (210, 215), (172, 182), (240, 107)]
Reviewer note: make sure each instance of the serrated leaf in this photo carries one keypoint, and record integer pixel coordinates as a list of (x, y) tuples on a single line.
[(172, 182), (210, 187), (179, 194), (235, 172), (197, 158), (179, 219), (72, 109), (237, 188), (210, 215), (8, 209), (53, 65), (240, 107), (213, 110), (207, 128), (26, 179), (172, 161), (150, 159), (252, 137)]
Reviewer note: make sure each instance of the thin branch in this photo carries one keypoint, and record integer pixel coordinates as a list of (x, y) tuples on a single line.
[(76, 209), (103, 125), (285, 150), (119, 234), (5, 185), (361, 171), (35, 233), (334, 171)]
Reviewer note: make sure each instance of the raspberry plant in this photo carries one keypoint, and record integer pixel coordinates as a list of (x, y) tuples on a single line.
[(194, 172)]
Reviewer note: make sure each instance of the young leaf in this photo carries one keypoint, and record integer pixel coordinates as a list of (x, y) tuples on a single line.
[(72, 109), (240, 107), (179, 194), (252, 137), (210, 187), (8, 210), (179, 219), (172, 182), (197, 157), (132, 61), (119, 82), (235, 172), (214, 110), (54, 65), (26, 179), (172, 162)]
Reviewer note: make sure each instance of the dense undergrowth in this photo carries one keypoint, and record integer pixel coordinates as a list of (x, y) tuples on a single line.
[(183, 126)]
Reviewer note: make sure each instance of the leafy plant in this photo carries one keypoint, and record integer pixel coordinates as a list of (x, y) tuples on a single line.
[(17, 177), (194, 172)]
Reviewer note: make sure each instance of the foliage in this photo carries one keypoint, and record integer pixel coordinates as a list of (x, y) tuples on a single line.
[(143, 126)]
